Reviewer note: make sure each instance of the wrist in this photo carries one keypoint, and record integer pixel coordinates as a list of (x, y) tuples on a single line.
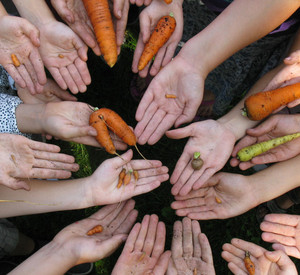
[(29, 118), (88, 192)]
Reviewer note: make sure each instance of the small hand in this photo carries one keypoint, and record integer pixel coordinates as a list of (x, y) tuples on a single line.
[(102, 186), (148, 20), (64, 55), (116, 221), (266, 262), (23, 158), (223, 196), (191, 252), (283, 231), (51, 93), (215, 143), (74, 14), (273, 127), (21, 38), (143, 250), (156, 113)]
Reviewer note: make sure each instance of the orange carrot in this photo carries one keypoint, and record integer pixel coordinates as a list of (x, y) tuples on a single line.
[(262, 104), (127, 177), (101, 19), (15, 60), (195, 271), (96, 229), (121, 177), (168, 1), (136, 175), (61, 56), (249, 264), (170, 96), (160, 35), (218, 200)]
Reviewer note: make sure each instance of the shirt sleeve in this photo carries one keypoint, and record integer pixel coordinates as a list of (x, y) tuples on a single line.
[(8, 121)]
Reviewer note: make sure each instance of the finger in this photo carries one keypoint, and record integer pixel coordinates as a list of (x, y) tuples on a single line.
[(160, 238), (187, 237), (181, 132), (150, 236), (169, 54), (200, 214), (55, 72), (146, 176), (171, 267), (186, 174), (118, 8), (275, 238), (84, 71), (107, 211), (165, 124), (139, 244), (55, 165), (177, 246), (13, 72), (127, 224), (291, 220), (13, 183), (132, 238), (25, 75), (207, 174), (289, 250), (145, 164), (122, 215), (145, 25), (145, 188), (81, 48), (156, 66), (280, 229), (162, 264), (33, 75), (58, 157), (137, 54), (68, 80), (77, 78), (196, 243), (180, 167), (62, 9), (41, 146), (188, 113), (205, 249), (255, 250), (119, 162), (43, 173), (145, 107), (278, 257), (38, 66)]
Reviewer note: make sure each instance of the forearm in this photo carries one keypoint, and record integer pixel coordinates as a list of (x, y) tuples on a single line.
[(240, 24), (44, 196), (276, 180), (35, 11), (49, 260), (234, 120)]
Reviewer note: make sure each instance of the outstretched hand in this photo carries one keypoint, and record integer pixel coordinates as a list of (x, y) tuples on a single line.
[(156, 113), (215, 143), (223, 196), (143, 252), (64, 55), (21, 38), (191, 252), (273, 127), (283, 231), (266, 262), (22, 158), (102, 188), (148, 19)]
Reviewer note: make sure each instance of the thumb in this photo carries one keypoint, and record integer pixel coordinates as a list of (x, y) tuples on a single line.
[(145, 27), (107, 247), (263, 128), (62, 9), (121, 160), (13, 183), (181, 132), (279, 257), (32, 33), (162, 263)]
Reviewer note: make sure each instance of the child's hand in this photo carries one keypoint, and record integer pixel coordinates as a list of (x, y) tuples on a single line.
[(101, 187), (148, 20), (143, 250)]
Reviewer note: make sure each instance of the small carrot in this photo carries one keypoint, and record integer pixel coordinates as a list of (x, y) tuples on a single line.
[(96, 229), (262, 104), (170, 96), (136, 175), (249, 264), (61, 56), (249, 152), (160, 35), (218, 200), (99, 14), (15, 60), (168, 1), (195, 271), (142, 256), (121, 177), (127, 177)]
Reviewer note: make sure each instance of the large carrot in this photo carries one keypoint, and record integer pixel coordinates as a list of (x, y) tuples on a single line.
[(262, 104), (160, 35), (100, 17), (249, 152)]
